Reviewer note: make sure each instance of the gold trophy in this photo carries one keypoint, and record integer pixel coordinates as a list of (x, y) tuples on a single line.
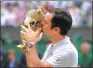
[(33, 17)]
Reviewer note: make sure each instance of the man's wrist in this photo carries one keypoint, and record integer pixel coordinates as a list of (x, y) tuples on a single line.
[(30, 44)]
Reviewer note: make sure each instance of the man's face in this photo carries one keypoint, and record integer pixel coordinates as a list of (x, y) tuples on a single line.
[(85, 48), (46, 25), (11, 55)]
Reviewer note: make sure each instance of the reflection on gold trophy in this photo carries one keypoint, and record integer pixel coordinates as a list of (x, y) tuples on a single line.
[(33, 17)]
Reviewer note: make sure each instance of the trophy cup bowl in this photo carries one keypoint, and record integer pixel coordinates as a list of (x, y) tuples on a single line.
[(33, 17)]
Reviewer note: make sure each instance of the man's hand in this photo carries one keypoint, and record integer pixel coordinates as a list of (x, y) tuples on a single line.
[(29, 35)]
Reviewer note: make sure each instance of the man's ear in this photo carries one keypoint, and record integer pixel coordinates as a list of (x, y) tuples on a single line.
[(57, 30)]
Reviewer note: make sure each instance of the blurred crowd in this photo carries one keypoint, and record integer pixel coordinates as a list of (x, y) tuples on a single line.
[(8, 59), (13, 12)]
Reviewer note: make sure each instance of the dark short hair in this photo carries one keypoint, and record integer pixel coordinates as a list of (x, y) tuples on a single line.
[(61, 19)]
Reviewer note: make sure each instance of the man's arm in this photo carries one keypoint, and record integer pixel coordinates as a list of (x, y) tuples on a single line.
[(32, 56), (33, 59)]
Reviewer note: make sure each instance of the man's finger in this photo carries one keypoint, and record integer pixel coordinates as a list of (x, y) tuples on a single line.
[(39, 30), (29, 27), (24, 28), (23, 33), (22, 37)]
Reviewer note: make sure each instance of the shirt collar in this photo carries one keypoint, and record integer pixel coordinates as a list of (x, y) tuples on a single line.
[(62, 42)]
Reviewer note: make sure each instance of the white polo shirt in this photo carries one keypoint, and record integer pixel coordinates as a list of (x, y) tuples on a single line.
[(62, 54)]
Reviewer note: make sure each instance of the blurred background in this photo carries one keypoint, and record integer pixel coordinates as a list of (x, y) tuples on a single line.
[(13, 14)]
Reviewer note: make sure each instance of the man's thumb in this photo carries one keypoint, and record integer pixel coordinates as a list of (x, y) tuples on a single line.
[(38, 31)]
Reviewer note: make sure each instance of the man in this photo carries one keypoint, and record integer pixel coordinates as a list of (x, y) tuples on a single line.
[(11, 62), (61, 52), (85, 57)]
